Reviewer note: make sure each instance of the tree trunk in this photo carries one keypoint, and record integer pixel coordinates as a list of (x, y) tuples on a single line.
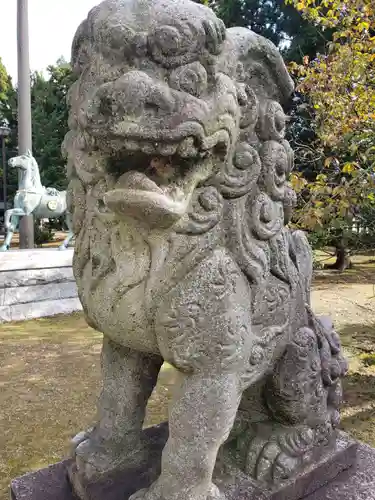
[(343, 261)]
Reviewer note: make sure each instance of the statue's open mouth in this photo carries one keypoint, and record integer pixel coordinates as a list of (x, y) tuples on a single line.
[(155, 180)]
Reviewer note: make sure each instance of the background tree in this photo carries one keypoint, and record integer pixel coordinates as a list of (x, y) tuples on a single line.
[(340, 85), (8, 117), (50, 121), (5, 82), (285, 26)]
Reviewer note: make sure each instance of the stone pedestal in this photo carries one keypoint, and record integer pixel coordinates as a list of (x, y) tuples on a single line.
[(348, 475), (36, 283)]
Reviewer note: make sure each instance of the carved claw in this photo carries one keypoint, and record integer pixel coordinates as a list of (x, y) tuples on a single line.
[(274, 465), (80, 437), (215, 493), (95, 459), (278, 457)]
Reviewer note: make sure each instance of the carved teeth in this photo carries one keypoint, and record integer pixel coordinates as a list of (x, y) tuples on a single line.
[(167, 149), (148, 149), (132, 145), (187, 149)]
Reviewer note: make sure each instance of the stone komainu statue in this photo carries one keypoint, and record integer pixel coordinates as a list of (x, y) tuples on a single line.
[(178, 173)]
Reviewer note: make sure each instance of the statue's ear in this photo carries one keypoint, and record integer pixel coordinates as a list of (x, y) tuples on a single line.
[(262, 67)]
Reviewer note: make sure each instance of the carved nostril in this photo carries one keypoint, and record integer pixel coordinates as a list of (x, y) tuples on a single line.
[(106, 105), (151, 106)]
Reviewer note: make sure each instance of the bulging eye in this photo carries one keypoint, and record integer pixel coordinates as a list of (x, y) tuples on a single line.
[(191, 78)]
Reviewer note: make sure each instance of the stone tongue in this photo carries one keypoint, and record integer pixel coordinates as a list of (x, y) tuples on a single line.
[(138, 181)]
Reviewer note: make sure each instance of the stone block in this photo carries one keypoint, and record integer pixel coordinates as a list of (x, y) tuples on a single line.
[(21, 312), (36, 283), (28, 277), (315, 477), (38, 258), (38, 293), (356, 483)]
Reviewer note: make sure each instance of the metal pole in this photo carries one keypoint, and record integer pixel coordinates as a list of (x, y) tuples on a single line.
[(24, 108), (4, 160)]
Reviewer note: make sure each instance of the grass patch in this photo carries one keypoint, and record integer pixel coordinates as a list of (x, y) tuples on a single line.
[(49, 383), (368, 359)]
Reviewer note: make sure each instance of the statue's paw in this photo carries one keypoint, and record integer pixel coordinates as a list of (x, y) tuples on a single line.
[(280, 455), (215, 493), (80, 437), (3, 248), (275, 466), (95, 458), (62, 247)]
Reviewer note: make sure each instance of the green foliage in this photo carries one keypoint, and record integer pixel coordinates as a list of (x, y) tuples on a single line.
[(277, 21), (50, 122), (5, 83), (340, 90), (42, 234)]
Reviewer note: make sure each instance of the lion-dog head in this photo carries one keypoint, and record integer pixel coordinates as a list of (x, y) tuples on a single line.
[(170, 112)]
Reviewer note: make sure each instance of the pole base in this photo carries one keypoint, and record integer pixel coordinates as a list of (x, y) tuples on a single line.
[(26, 232)]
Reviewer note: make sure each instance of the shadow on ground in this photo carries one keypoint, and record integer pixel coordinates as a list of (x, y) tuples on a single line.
[(361, 273), (358, 412), (359, 337)]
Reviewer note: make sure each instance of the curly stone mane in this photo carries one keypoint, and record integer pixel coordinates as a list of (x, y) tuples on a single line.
[(251, 158)]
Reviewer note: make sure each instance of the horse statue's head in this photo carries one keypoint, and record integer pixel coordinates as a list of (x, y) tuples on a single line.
[(23, 162), (27, 165)]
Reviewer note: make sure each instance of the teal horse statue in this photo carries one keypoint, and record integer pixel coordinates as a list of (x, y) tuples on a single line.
[(34, 199)]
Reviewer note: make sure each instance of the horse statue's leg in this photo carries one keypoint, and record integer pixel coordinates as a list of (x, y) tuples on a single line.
[(69, 223), (11, 220)]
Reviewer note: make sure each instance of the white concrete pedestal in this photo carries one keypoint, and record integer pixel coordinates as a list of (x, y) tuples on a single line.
[(36, 283)]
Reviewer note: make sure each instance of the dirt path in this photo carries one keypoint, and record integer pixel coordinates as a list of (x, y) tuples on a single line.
[(352, 307)]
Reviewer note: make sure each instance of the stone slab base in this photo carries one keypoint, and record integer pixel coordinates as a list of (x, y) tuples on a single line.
[(354, 483), (36, 283)]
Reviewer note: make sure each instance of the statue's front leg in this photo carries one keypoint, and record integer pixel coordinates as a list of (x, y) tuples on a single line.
[(11, 220), (115, 442), (68, 239), (204, 330), (199, 423)]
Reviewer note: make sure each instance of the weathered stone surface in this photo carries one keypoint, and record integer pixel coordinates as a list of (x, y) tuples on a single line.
[(30, 277), (178, 169), (320, 473), (38, 258), (37, 293), (35, 283), (357, 483), (32, 310)]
